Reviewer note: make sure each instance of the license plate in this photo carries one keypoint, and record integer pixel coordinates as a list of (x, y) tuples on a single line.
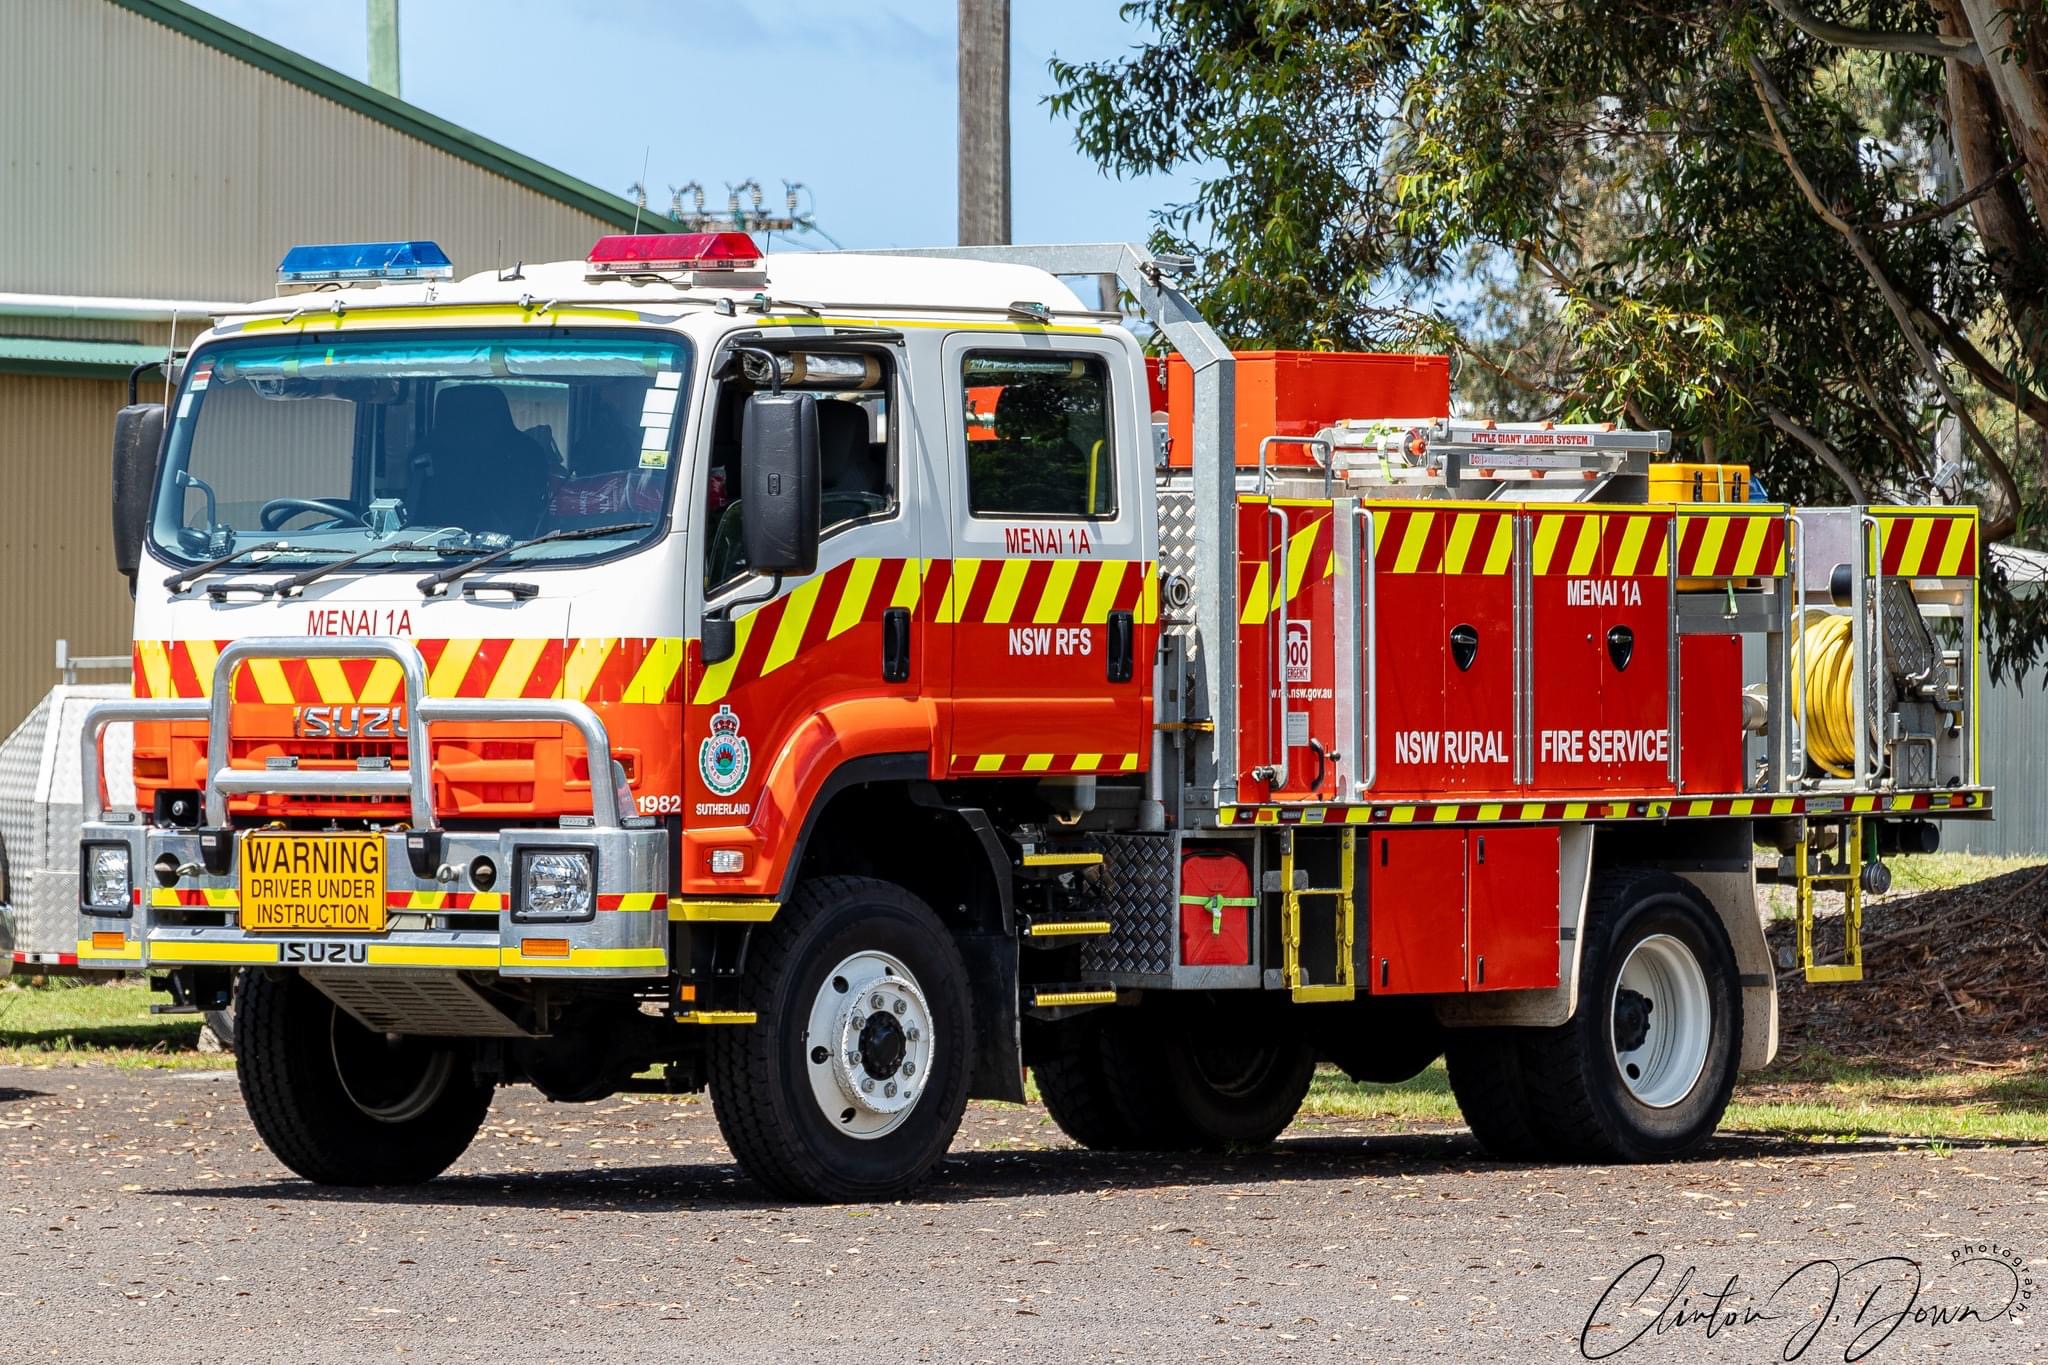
[(328, 883)]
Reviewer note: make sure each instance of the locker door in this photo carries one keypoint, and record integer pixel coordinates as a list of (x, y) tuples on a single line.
[(1415, 925), (1478, 630), (1567, 650), (1636, 682), (1513, 878), (1408, 633)]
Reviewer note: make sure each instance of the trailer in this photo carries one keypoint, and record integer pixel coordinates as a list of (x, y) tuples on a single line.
[(845, 681)]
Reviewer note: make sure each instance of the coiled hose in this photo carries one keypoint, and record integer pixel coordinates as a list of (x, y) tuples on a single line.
[(1830, 679)]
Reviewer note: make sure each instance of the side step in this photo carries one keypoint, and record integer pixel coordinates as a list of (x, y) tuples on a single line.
[(1056, 997), (1056, 861), (1046, 930)]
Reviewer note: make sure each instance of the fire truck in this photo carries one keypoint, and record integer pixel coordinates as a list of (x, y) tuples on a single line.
[(850, 681)]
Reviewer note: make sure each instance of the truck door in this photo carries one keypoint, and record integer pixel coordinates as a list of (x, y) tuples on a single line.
[(849, 632), (1048, 604)]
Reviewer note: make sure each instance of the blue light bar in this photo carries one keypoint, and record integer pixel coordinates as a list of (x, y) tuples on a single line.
[(364, 261)]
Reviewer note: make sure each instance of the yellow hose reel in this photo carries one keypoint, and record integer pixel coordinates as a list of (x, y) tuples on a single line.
[(1824, 690)]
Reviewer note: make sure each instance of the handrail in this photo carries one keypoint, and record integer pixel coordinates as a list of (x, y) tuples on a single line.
[(1275, 772), (1873, 686), (1315, 443), (91, 800), (1371, 567)]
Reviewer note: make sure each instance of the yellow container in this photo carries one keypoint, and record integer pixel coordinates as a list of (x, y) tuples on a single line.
[(1699, 483)]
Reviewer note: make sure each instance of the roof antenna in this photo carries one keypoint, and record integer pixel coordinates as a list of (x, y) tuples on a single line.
[(640, 188)]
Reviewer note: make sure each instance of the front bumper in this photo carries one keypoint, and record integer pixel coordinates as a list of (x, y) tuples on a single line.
[(195, 921)]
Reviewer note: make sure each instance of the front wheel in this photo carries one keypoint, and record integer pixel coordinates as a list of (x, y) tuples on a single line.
[(341, 1104), (851, 1084)]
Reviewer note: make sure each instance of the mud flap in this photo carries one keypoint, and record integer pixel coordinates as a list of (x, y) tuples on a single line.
[(998, 1052)]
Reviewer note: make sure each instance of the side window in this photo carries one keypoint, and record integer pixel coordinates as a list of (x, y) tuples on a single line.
[(1040, 435), (857, 447)]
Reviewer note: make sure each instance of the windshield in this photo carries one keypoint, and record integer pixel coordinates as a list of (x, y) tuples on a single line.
[(451, 443)]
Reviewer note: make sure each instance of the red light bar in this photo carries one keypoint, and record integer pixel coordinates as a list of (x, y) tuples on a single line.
[(667, 252)]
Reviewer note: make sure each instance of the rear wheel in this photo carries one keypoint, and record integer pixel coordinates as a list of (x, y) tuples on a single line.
[(1236, 1087), (1485, 1071), (342, 1105), (1643, 1070), (851, 1084), (1101, 1083)]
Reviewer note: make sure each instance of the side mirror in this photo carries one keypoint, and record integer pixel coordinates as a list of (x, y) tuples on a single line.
[(779, 483), (138, 438)]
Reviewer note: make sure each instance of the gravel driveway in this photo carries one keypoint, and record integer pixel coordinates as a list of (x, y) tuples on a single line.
[(144, 1222)]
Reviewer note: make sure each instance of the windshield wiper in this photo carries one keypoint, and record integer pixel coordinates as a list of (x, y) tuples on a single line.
[(284, 587), (177, 581), (433, 583)]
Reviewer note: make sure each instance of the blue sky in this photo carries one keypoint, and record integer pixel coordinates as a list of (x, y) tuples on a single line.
[(856, 101)]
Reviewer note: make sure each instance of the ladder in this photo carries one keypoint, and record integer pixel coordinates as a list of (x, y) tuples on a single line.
[(1345, 987), (1847, 875)]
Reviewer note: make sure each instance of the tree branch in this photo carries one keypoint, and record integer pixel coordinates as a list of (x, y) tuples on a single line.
[(2005, 517), (1940, 211), (1918, 44), (1822, 451)]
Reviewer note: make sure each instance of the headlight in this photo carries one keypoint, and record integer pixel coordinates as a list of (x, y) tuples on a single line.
[(106, 878), (555, 885)]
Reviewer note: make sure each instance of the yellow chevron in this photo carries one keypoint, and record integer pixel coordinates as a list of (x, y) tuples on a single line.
[(1129, 764), (1503, 548), (516, 667), (483, 901), (1709, 552), (1755, 530), (155, 665), (203, 654), (585, 662), (271, 687), (381, 687), (1414, 540), (1086, 762), (1630, 551), (637, 901), (988, 763), (910, 583), (1256, 605), (1148, 595), (1301, 546), (330, 684), (1009, 584), (1543, 546), (651, 681), (722, 911), (853, 601), (1109, 580), (959, 588), (1586, 554), (1458, 544), (1952, 564), (446, 679), (1053, 599), (796, 615), (717, 679), (427, 900), (1037, 763)]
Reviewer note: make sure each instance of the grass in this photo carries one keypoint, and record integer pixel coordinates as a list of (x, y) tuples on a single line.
[(1815, 1098), (1946, 871), (71, 1022)]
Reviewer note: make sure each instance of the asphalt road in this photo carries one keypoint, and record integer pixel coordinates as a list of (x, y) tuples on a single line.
[(144, 1222)]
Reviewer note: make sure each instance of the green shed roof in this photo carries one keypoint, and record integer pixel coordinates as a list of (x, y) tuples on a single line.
[(48, 355), (386, 109)]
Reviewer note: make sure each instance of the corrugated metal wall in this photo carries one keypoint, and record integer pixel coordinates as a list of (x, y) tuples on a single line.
[(57, 574), (142, 162), (135, 161), (2015, 762)]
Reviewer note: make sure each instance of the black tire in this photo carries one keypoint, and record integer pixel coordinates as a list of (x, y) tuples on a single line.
[(341, 1105), (1234, 1086), (1580, 1104), (1485, 1070), (761, 1088), (1098, 1077)]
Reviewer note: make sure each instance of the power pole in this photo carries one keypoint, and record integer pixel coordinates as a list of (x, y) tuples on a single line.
[(384, 46), (984, 122)]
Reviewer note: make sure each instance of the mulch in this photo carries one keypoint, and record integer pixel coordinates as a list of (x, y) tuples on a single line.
[(1950, 977)]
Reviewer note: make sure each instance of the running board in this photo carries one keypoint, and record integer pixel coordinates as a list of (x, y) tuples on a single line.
[(1066, 928)]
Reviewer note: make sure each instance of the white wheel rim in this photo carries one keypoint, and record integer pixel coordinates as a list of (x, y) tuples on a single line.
[(868, 1046), (1660, 1021)]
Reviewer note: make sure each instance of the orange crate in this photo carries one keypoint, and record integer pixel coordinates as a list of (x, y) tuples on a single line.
[(1298, 393)]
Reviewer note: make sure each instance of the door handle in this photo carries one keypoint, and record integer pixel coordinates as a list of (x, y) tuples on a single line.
[(896, 644), (1122, 643)]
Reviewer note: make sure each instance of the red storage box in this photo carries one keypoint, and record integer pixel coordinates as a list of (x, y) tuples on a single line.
[(1298, 393), (1215, 909)]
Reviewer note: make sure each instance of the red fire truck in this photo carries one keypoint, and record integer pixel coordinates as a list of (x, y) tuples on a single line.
[(846, 681)]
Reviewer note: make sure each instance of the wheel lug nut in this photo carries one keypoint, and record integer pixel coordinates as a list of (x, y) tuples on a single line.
[(877, 1001), (910, 1068), (868, 1086), (890, 1090), (911, 1033), (900, 1006)]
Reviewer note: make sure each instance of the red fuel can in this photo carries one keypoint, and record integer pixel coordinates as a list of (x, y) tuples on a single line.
[(1215, 909)]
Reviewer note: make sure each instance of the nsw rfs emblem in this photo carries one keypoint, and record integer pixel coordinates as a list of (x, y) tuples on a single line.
[(724, 758)]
